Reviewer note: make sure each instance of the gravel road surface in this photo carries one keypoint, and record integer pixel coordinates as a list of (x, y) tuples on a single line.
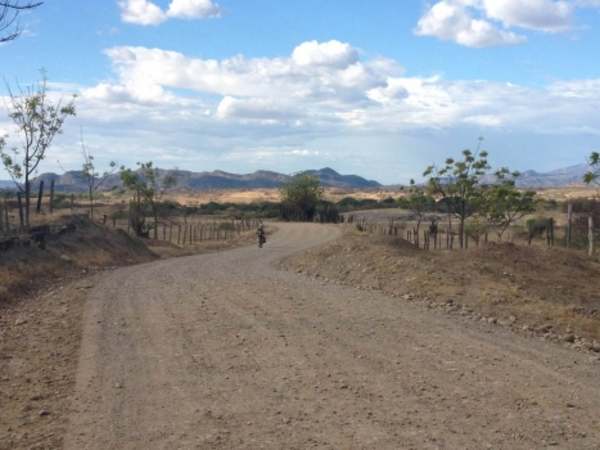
[(224, 351)]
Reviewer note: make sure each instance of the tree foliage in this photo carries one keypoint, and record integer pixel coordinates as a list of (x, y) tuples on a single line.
[(458, 183), (300, 198), (38, 120), (10, 11), (148, 187), (504, 204), (593, 176)]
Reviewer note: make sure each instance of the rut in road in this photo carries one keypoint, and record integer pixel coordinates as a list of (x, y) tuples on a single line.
[(225, 351)]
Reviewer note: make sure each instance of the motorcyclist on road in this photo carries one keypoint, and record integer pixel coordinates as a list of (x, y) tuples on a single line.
[(260, 234)]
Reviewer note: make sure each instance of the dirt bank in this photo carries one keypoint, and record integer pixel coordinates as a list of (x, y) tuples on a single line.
[(545, 291)]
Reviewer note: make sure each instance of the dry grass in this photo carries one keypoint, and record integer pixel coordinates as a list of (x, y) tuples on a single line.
[(245, 196), (568, 193), (89, 247)]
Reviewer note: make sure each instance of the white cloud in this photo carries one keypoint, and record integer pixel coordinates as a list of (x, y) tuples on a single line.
[(145, 12), (193, 9), (323, 87), (326, 75), (332, 53), (451, 20), (141, 12), (178, 109), (487, 23), (540, 15)]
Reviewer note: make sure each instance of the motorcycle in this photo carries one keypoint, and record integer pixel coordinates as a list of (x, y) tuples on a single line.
[(262, 240)]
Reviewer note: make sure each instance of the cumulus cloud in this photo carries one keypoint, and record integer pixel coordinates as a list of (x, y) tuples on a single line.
[(322, 77), (178, 109), (487, 23), (193, 9), (141, 12), (451, 20), (332, 53), (145, 12), (540, 15), (325, 86)]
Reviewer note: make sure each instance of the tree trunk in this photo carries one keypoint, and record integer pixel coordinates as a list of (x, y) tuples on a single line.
[(27, 199), (21, 212), (91, 194), (461, 232), (40, 198)]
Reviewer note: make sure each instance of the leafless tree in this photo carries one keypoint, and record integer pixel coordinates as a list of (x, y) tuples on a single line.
[(9, 17), (93, 178)]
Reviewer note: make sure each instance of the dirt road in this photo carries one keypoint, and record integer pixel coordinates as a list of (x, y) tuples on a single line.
[(224, 351)]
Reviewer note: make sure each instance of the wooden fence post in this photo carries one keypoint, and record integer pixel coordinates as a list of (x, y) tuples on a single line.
[(21, 216), (40, 197), (591, 236), (569, 235), (6, 215), (52, 196)]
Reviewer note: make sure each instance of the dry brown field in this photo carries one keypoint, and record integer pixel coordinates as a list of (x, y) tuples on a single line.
[(337, 194)]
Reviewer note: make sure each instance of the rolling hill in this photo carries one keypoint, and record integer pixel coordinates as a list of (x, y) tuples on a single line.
[(567, 176), (73, 181)]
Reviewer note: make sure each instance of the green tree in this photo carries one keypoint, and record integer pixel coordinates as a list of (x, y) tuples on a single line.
[(593, 176), (504, 204), (38, 121), (148, 187), (300, 198), (457, 182)]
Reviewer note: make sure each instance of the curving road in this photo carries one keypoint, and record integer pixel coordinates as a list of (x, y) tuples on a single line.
[(224, 351)]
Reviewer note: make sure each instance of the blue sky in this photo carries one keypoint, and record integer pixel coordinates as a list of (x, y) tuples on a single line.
[(380, 88)]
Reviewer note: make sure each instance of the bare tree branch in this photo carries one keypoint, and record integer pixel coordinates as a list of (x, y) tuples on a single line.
[(9, 15)]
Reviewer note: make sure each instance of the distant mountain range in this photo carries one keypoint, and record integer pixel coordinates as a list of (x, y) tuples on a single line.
[(567, 176), (74, 181)]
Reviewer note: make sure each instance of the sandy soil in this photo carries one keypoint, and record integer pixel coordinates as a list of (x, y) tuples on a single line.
[(225, 351)]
